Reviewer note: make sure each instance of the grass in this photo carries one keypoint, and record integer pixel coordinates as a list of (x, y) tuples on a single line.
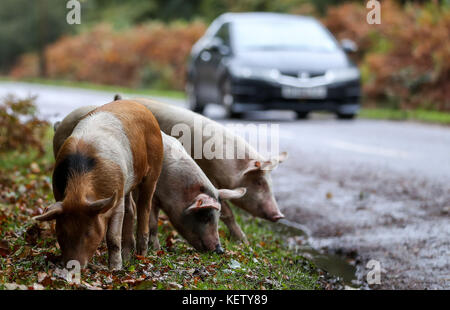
[(426, 116), (29, 251), (109, 88), (435, 117)]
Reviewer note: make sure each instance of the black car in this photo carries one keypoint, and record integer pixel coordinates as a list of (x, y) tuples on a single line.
[(268, 61)]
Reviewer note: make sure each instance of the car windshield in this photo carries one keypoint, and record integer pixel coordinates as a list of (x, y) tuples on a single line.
[(289, 34)]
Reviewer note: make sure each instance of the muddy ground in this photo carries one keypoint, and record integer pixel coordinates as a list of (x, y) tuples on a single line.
[(364, 196)]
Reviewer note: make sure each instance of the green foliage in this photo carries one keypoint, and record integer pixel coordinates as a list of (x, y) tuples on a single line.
[(20, 127), (29, 25), (110, 88), (426, 116), (154, 76)]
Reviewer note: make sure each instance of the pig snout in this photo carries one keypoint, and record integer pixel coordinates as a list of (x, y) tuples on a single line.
[(275, 217), (219, 249), (270, 211)]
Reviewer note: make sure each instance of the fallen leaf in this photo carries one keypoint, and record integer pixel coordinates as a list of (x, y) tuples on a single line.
[(41, 276), (4, 248), (175, 285), (36, 287), (234, 264), (32, 234), (15, 286), (34, 167)]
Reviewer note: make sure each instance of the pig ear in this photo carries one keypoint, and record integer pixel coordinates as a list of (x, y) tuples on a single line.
[(200, 204), (232, 193), (51, 213), (56, 125), (103, 205), (280, 158), (274, 161), (253, 165)]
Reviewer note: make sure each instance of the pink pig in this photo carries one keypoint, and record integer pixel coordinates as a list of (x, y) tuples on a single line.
[(252, 172)]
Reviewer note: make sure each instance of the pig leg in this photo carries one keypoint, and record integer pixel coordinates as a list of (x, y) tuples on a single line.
[(146, 190), (128, 240), (114, 237), (153, 225), (226, 215)]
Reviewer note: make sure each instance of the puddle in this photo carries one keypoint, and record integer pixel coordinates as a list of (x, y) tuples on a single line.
[(336, 265)]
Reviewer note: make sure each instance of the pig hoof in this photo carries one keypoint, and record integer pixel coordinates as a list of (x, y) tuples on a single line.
[(142, 252), (154, 244), (115, 266), (126, 254), (242, 239), (239, 236), (142, 248)]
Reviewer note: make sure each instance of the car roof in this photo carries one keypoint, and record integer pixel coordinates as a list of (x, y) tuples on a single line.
[(252, 16)]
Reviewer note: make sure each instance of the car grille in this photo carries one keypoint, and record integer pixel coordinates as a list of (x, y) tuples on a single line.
[(297, 74)]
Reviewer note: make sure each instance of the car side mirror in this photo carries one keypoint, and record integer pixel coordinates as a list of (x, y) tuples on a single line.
[(217, 46), (349, 46)]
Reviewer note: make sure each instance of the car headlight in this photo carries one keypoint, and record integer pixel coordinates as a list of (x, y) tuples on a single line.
[(342, 75), (255, 73)]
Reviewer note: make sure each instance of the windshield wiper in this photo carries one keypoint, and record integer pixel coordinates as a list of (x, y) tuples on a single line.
[(284, 47)]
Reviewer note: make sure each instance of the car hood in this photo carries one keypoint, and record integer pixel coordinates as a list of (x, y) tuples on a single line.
[(293, 61)]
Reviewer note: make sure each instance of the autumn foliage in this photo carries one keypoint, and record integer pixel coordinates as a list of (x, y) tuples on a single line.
[(20, 127), (148, 55), (406, 59)]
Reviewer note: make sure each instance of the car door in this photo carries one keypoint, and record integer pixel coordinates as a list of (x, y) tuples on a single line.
[(208, 64)]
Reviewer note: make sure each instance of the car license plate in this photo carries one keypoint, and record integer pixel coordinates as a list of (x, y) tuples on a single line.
[(304, 92)]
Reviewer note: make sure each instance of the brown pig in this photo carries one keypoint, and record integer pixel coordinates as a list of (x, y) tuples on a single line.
[(251, 172), (183, 192), (70, 121), (111, 151)]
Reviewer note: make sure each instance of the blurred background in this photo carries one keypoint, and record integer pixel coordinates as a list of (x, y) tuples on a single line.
[(404, 61), (360, 190)]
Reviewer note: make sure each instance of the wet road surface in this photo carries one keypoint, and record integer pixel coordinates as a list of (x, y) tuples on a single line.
[(364, 189)]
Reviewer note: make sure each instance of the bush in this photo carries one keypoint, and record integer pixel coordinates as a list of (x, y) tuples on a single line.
[(152, 54), (405, 59), (20, 128)]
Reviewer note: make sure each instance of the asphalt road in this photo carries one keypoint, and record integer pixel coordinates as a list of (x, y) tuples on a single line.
[(365, 189)]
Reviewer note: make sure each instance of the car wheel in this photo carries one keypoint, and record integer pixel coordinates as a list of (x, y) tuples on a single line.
[(236, 115), (192, 99), (302, 115), (227, 100), (346, 116)]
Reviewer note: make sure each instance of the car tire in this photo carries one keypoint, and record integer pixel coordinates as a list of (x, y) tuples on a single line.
[(346, 116), (192, 99), (227, 100), (302, 115), (236, 115)]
